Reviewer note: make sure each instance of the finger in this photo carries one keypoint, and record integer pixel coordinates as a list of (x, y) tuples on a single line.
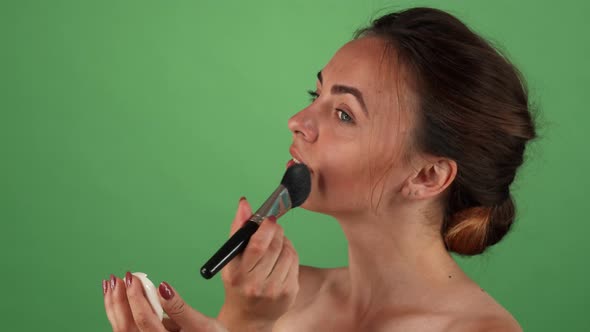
[(292, 279), (170, 325), (106, 285), (269, 259), (242, 214), (284, 263), (275, 284), (187, 318), (143, 314), (119, 305), (291, 285), (277, 281), (258, 245)]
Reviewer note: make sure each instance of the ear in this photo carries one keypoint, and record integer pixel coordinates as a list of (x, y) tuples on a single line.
[(432, 178)]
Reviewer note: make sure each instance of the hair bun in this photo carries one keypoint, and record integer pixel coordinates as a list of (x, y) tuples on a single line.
[(471, 231), (501, 220), (471, 105)]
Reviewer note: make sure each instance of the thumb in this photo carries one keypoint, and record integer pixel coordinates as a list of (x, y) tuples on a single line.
[(187, 318), (242, 214)]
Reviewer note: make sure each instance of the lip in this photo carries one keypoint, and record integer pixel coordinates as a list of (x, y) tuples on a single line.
[(295, 154)]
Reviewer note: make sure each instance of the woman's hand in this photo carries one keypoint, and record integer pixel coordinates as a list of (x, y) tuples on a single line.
[(260, 284), (128, 309)]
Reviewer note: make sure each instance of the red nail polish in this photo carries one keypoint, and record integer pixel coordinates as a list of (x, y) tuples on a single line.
[(105, 286), (272, 219), (128, 279), (166, 291), (113, 282)]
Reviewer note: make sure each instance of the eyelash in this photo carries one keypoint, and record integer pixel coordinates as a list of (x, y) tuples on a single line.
[(314, 95)]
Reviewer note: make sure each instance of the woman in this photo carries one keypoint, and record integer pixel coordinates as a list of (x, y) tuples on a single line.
[(414, 136)]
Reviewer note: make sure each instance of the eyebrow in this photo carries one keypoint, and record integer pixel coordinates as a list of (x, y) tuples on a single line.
[(343, 89)]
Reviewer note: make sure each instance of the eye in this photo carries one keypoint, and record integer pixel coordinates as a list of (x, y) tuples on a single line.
[(343, 116), (313, 95)]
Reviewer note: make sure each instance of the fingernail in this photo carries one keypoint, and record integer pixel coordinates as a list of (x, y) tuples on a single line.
[(113, 282), (272, 219), (242, 198), (166, 291), (128, 279), (105, 286)]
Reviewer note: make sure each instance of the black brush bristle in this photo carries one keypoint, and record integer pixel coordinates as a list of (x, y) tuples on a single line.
[(297, 180)]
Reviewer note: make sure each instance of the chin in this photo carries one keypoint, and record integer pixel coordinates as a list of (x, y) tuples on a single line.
[(311, 204), (308, 205), (314, 205), (335, 208)]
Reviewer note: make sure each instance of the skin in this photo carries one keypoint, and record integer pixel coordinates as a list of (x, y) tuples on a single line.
[(127, 309), (387, 198), (400, 276), (261, 284)]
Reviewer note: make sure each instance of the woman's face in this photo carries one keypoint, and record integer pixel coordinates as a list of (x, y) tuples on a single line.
[(351, 136)]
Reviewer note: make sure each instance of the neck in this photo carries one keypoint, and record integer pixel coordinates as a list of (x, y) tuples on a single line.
[(393, 258)]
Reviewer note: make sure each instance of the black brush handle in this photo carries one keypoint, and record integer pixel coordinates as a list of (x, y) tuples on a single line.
[(235, 245)]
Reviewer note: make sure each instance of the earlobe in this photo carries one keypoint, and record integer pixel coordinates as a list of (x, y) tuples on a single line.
[(406, 191)]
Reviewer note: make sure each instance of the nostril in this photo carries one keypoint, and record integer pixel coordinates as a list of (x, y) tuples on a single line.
[(303, 124)]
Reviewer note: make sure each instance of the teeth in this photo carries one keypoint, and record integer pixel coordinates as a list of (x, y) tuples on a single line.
[(296, 161)]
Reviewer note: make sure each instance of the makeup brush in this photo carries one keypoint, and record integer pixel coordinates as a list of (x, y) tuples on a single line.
[(292, 192)]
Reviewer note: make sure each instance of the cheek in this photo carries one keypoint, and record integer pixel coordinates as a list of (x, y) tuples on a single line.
[(341, 182), (345, 176)]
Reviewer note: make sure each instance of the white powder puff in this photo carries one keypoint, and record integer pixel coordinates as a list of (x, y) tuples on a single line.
[(150, 293)]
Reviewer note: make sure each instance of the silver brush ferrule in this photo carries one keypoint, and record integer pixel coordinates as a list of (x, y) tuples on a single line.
[(276, 205)]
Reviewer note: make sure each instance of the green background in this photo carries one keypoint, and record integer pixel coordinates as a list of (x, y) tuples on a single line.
[(129, 130)]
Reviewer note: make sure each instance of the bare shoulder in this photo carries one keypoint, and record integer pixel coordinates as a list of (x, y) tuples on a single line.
[(463, 308), (481, 312), (312, 276), (447, 323), (312, 281), (498, 323), (303, 314)]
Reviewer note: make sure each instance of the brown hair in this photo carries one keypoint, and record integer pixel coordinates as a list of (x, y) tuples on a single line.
[(472, 108)]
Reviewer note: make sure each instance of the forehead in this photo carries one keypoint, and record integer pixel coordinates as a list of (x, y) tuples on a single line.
[(360, 63), (366, 64)]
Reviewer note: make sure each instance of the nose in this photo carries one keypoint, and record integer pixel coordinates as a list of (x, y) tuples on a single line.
[(304, 124)]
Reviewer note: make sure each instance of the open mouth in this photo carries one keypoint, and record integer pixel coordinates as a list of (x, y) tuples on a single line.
[(292, 162)]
